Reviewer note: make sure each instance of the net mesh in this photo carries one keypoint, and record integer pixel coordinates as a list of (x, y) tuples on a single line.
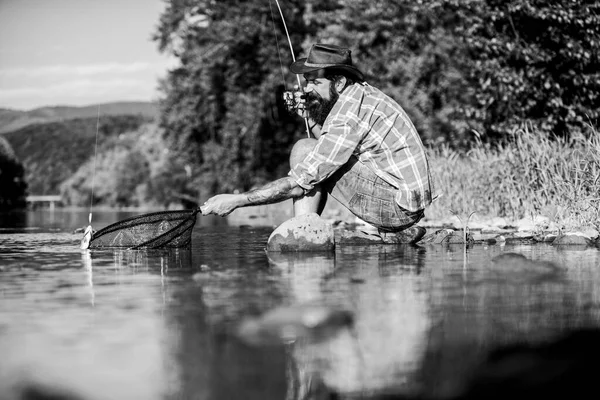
[(148, 231)]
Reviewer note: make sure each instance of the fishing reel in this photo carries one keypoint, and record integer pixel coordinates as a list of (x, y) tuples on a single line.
[(293, 101)]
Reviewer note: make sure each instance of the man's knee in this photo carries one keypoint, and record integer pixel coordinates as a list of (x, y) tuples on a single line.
[(301, 148)]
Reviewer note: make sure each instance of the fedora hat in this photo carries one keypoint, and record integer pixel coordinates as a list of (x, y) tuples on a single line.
[(322, 56)]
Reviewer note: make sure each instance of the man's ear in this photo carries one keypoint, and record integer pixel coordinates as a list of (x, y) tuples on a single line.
[(340, 84)]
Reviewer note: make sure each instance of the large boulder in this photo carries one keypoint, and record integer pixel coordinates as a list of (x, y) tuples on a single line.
[(572, 239), (307, 232)]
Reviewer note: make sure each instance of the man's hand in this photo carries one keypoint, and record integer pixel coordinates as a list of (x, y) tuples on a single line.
[(223, 204), (273, 192), (295, 102)]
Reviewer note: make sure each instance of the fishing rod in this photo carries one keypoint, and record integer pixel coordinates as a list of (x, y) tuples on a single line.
[(293, 56)]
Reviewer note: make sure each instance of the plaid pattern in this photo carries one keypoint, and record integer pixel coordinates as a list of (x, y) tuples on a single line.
[(370, 125)]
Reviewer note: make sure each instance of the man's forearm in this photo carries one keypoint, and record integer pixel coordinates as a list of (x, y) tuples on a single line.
[(274, 192)]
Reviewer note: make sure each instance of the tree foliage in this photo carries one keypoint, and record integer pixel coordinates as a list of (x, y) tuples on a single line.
[(12, 183), (530, 61), (456, 66), (131, 169), (220, 108)]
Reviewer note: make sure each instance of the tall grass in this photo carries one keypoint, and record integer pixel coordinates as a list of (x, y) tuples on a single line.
[(531, 175)]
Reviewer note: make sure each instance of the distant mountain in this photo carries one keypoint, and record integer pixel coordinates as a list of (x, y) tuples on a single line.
[(12, 120), (52, 152)]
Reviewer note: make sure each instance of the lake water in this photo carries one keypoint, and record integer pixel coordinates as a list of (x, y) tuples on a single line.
[(159, 324)]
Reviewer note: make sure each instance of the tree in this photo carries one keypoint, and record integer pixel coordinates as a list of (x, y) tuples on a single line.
[(530, 61), (218, 101), (14, 187)]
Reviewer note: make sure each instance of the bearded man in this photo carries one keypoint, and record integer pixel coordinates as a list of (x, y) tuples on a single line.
[(366, 153)]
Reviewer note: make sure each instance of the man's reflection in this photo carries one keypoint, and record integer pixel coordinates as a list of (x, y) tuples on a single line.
[(384, 291)]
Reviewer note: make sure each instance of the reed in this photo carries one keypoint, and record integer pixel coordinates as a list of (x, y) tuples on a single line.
[(531, 175)]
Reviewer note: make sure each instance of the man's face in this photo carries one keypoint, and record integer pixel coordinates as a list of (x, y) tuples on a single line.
[(317, 84), (321, 95)]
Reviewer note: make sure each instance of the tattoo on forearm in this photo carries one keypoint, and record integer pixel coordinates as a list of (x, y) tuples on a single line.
[(276, 191)]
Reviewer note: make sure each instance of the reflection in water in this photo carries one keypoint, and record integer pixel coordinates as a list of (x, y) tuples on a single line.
[(80, 333), (86, 258), (160, 324), (384, 347)]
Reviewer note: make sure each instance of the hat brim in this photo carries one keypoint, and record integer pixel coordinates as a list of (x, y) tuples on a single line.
[(299, 67)]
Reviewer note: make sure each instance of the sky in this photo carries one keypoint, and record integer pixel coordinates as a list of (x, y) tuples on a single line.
[(79, 52)]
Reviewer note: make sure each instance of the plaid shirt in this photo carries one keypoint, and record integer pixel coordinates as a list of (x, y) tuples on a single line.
[(368, 124)]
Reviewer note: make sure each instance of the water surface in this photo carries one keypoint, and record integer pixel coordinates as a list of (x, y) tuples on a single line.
[(119, 324)]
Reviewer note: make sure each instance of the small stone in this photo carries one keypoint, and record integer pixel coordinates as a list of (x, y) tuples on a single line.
[(307, 232)]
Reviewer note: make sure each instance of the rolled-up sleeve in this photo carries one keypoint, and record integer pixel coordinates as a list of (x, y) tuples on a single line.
[(333, 149)]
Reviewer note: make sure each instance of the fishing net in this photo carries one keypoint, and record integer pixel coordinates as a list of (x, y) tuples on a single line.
[(148, 231)]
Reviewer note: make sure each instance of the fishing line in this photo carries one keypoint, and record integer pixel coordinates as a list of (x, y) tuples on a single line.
[(94, 171), (287, 34)]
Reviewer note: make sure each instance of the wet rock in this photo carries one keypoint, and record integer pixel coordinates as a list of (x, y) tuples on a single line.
[(497, 231), (484, 237), (571, 239), (589, 233), (545, 237), (409, 236), (495, 239), (459, 238), (283, 325), (438, 237), (307, 232), (350, 237), (512, 238)]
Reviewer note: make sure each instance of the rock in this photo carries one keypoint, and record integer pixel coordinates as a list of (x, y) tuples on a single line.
[(458, 238), (307, 232), (408, 236), (484, 237), (572, 240), (438, 237), (589, 233), (523, 235), (349, 237)]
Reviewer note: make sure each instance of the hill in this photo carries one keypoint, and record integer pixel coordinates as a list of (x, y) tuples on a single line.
[(12, 120), (52, 152)]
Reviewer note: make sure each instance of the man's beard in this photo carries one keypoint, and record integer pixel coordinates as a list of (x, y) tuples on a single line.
[(318, 108)]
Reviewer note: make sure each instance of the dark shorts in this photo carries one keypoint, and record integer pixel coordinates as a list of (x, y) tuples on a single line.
[(369, 197)]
